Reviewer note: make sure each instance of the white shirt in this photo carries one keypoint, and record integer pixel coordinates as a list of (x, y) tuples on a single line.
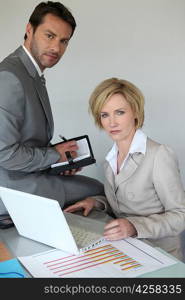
[(138, 145), (33, 61)]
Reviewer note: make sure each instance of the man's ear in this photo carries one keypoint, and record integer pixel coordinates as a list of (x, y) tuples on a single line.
[(29, 30)]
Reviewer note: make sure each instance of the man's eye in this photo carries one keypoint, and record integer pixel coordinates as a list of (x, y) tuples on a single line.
[(65, 42), (50, 36)]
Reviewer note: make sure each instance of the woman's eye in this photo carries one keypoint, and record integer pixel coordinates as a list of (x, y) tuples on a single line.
[(104, 115), (120, 112)]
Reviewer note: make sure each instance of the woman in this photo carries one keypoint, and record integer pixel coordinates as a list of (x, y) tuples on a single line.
[(143, 186)]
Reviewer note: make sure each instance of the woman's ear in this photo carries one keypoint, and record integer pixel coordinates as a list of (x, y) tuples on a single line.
[(136, 120)]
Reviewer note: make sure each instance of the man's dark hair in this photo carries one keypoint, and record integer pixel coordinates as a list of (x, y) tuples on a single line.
[(55, 8)]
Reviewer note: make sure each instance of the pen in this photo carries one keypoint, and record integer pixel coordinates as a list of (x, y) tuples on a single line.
[(63, 138)]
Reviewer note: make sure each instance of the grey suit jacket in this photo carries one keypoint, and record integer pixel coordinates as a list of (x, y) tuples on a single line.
[(26, 129), (25, 133), (149, 193)]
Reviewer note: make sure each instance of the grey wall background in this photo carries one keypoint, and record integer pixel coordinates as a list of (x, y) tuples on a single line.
[(139, 40)]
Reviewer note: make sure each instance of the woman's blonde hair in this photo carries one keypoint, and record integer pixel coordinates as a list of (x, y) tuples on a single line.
[(108, 88)]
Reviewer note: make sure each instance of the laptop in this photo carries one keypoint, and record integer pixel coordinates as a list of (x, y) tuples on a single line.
[(42, 219)]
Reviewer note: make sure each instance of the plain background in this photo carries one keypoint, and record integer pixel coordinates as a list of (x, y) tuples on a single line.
[(142, 41)]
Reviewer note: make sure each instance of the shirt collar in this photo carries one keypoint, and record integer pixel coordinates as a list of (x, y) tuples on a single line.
[(112, 158), (33, 61), (138, 145)]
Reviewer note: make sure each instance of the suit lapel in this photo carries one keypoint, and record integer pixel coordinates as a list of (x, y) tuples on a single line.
[(110, 175), (130, 167), (43, 96), (127, 171), (41, 90)]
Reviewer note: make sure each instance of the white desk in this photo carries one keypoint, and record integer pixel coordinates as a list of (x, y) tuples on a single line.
[(20, 246)]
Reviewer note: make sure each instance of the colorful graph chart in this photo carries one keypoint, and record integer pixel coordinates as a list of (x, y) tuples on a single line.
[(92, 259), (119, 259)]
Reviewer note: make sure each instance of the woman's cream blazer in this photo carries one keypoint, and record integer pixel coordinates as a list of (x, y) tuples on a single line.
[(148, 192)]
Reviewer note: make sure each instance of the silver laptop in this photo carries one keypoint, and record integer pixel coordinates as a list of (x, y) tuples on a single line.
[(42, 219)]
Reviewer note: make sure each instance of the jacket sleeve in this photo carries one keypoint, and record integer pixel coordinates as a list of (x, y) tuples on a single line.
[(168, 186), (15, 155), (102, 204)]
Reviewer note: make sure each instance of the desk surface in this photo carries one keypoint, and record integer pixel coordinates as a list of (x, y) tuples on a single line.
[(20, 246)]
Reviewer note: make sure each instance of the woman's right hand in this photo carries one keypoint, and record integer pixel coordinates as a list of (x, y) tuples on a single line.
[(86, 205)]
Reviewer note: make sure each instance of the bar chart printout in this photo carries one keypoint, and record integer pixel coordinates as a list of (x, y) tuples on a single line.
[(98, 258), (125, 258)]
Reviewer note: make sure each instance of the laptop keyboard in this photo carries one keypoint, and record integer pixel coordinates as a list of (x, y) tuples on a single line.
[(83, 237)]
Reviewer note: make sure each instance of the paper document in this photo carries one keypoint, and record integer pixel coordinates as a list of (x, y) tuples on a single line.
[(124, 258)]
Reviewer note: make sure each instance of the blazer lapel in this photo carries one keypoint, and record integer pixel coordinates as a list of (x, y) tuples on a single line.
[(43, 95), (109, 175), (130, 167), (41, 90)]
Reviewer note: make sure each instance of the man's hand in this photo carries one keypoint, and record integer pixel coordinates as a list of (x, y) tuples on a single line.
[(71, 172), (70, 146)]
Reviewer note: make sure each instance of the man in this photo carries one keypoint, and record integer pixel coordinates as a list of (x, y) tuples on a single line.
[(26, 118)]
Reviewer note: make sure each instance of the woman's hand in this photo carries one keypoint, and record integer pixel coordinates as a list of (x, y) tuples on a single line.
[(86, 205), (119, 229)]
